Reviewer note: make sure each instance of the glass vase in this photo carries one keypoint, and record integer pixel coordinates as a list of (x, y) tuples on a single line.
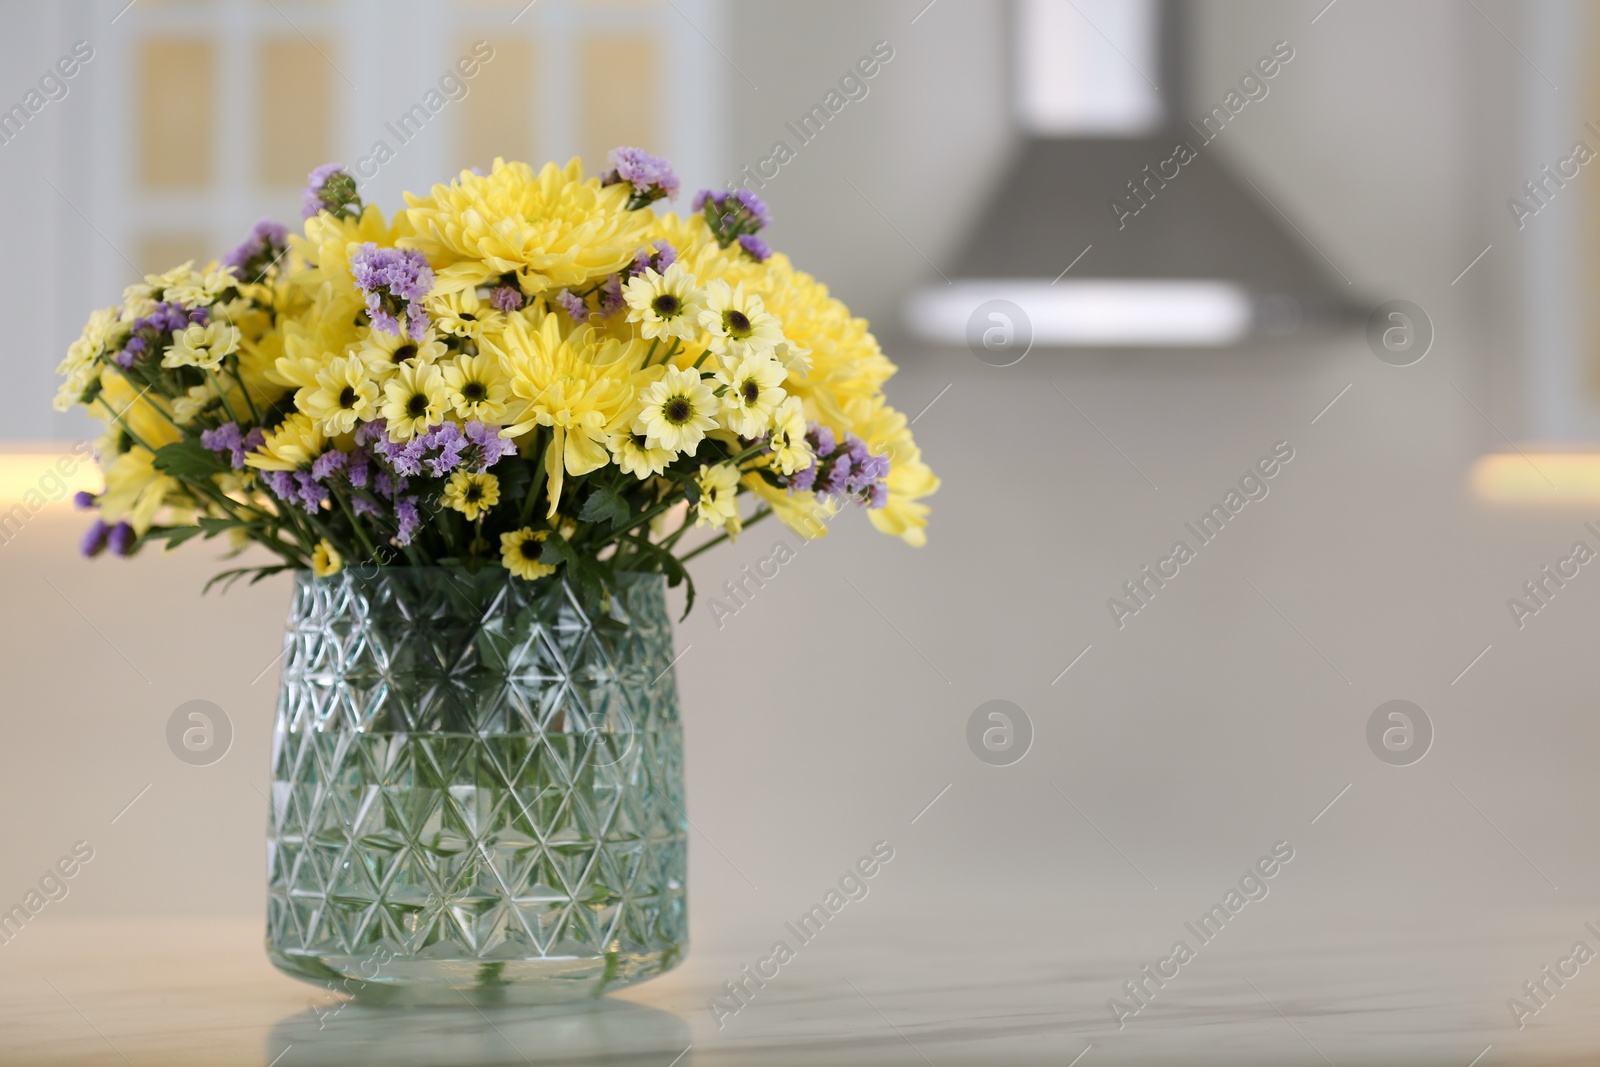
[(477, 788)]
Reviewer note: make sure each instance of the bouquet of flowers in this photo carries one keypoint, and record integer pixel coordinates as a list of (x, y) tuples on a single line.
[(526, 369)]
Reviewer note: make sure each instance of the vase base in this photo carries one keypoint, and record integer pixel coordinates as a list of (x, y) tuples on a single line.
[(421, 981)]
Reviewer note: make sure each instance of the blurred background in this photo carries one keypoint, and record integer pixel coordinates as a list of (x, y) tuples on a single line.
[(1166, 323)]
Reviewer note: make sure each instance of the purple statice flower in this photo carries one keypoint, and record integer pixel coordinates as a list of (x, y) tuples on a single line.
[(310, 492), (362, 506), (506, 298), (369, 433), (652, 177), (226, 439), (732, 215), (121, 540), (328, 464), (404, 456), (358, 468), (842, 470), (94, 541), (821, 440), (657, 256), (83, 499), (330, 188), (405, 511), (804, 481), (395, 281), (573, 305), (755, 247), (449, 442), (387, 485), (754, 206), (492, 448), (611, 300), (258, 252), (255, 439), (281, 484)]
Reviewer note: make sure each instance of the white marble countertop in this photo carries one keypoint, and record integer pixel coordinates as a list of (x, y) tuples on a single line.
[(174, 992)]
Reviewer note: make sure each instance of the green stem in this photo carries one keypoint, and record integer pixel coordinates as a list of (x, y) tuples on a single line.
[(221, 394), (539, 445), (355, 524), (757, 517)]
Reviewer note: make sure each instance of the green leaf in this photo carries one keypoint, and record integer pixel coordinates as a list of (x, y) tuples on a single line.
[(172, 535), (605, 505), (188, 460), (671, 566)]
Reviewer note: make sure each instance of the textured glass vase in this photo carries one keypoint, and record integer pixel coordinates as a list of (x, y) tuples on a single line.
[(476, 788)]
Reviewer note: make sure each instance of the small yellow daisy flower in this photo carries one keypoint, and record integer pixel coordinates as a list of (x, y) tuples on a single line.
[(477, 388), (751, 392), (326, 560), (719, 500), (414, 399), (677, 410), (344, 395), (465, 314), (472, 494), (664, 305), (201, 346), (637, 456), (386, 353), (790, 453), (520, 552), (739, 323)]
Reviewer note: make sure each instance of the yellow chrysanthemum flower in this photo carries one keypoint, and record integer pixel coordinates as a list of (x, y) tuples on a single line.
[(520, 552), (472, 494), (477, 388), (135, 490), (884, 430), (291, 446), (414, 399), (557, 381), (326, 560), (553, 229)]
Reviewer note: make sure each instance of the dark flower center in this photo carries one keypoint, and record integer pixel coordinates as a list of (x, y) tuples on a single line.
[(736, 323), (404, 352), (417, 406), (666, 305), (467, 316), (347, 398), (640, 441), (752, 391), (531, 549), (474, 493), (677, 410), (474, 391)]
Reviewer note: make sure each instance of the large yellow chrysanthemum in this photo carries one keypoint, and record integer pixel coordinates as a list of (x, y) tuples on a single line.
[(135, 490), (578, 385), (843, 388), (145, 416), (885, 431), (553, 229), (330, 241)]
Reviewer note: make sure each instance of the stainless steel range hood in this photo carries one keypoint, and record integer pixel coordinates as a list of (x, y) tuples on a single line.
[(1119, 223)]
